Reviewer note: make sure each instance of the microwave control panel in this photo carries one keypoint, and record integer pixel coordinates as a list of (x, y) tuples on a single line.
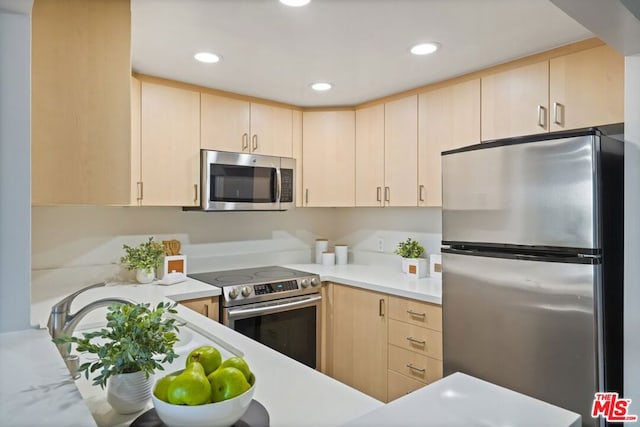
[(286, 194)]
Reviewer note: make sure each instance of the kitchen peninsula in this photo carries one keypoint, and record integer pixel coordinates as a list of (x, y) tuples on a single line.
[(292, 393)]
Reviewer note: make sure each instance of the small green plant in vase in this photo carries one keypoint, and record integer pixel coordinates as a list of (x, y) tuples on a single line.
[(144, 259), (135, 342), (410, 251)]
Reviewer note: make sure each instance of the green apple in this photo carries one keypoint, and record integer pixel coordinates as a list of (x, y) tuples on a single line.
[(238, 363), (227, 383), (162, 387), (208, 356)]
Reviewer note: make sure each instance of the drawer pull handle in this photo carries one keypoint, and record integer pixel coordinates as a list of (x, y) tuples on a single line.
[(415, 341), (415, 368), (415, 313)]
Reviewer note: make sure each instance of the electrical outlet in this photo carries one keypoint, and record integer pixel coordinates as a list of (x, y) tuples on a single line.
[(380, 244)]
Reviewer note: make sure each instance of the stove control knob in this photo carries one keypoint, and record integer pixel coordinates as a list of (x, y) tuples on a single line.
[(246, 291), (233, 293), (315, 282), (304, 283)]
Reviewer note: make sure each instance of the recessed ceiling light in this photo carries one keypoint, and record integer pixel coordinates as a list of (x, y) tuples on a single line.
[(321, 86), (295, 3), (207, 57), (424, 48)]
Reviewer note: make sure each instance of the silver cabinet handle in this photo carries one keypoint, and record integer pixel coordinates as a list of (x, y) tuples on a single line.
[(206, 310), (254, 142), (558, 118), (195, 193), (245, 141), (306, 196), (415, 313), (140, 191), (415, 368), (421, 190), (381, 307), (387, 194), (415, 341), (379, 194), (542, 116)]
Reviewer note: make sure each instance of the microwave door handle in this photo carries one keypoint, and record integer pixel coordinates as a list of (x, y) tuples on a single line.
[(278, 186), (261, 311)]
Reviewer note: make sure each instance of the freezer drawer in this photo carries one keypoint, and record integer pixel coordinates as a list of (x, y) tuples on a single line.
[(525, 325), (538, 193)]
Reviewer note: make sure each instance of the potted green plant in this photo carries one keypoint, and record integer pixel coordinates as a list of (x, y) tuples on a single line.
[(144, 259), (410, 251), (135, 342)]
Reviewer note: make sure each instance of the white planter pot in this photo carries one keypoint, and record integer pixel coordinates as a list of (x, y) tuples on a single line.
[(405, 265), (129, 393), (415, 267), (145, 276)]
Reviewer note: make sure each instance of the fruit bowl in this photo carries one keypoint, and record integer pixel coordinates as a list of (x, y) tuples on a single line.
[(219, 414)]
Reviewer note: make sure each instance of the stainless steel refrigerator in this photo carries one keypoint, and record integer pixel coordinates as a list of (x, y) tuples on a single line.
[(533, 264)]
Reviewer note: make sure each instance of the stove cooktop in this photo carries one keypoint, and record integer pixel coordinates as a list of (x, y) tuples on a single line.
[(260, 284), (248, 276)]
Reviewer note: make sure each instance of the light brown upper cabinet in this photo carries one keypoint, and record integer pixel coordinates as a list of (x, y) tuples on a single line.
[(230, 124), (297, 154), (586, 89), (170, 146), (80, 102), (448, 118), (370, 156), (401, 152), (515, 102), (328, 157)]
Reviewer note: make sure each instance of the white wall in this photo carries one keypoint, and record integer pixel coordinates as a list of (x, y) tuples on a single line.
[(632, 231), (15, 166)]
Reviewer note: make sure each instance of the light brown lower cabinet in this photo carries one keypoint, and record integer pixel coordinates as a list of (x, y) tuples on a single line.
[(382, 345), (208, 306)]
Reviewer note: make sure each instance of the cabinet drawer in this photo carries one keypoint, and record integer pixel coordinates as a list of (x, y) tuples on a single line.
[(416, 312), (414, 338), (398, 385), (414, 365)]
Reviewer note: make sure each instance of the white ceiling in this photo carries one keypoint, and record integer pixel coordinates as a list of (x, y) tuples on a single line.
[(362, 46)]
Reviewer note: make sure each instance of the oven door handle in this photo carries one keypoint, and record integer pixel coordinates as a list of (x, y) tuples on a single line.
[(260, 311)]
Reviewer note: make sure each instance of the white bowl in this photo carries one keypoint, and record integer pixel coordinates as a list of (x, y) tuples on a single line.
[(219, 414)]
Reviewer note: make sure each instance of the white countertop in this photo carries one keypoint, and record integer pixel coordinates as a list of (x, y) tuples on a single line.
[(380, 279), (462, 400), (35, 386)]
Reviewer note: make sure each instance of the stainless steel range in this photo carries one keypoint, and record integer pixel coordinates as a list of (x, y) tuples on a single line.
[(276, 306)]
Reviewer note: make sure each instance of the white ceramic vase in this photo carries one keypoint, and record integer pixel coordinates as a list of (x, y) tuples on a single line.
[(129, 393), (145, 276)]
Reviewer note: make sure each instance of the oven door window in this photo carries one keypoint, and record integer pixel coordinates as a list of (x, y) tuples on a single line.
[(292, 333), (251, 184)]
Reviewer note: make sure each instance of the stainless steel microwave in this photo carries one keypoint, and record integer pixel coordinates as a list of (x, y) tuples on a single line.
[(245, 182)]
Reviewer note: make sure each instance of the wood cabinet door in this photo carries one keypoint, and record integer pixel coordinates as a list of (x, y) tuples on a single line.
[(271, 130), (359, 340), (225, 124), (516, 102), (586, 89), (448, 118), (297, 154), (328, 158), (401, 152), (80, 102), (136, 143), (170, 135), (208, 307), (370, 156)]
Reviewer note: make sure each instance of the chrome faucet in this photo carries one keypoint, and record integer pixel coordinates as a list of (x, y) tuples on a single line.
[(62, 322)]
